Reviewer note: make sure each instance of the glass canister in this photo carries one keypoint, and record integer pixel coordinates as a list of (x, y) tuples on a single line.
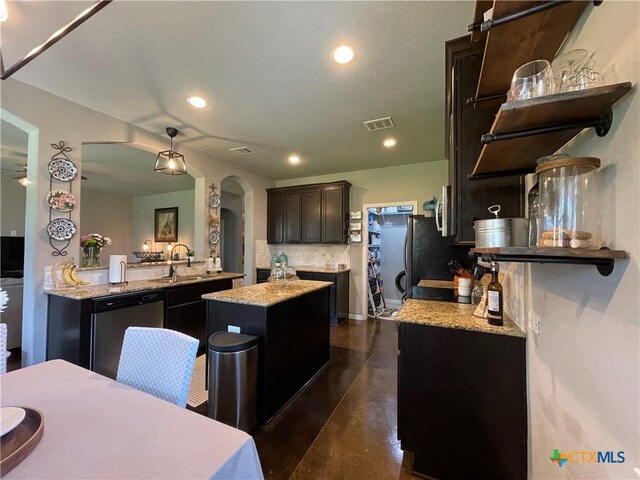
[(568, 208)]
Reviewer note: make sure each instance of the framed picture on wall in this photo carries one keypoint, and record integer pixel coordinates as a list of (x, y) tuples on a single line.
[(166, 224)]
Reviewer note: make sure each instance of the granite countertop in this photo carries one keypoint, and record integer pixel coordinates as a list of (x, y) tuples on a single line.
[(267, 294), (452, 315), (437, 283), (307, 268), (83, 292)]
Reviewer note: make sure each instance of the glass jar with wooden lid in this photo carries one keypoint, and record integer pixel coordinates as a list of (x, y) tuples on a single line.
[(568, 209)]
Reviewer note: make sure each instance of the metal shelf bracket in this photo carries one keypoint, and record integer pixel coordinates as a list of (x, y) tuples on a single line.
[(604, 266), (602, 125), (540, 7)]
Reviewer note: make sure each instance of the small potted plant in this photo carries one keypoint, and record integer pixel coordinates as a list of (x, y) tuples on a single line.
[(191, 254)]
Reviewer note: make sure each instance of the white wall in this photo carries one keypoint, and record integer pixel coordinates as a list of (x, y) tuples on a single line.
[(13, 197), (583, 367), (418, 181), (143, 219), (109, 215), (48, 119)]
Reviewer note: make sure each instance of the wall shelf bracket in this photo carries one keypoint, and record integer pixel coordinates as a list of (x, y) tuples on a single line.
[(602, 125), (496, 22), (603, 259)]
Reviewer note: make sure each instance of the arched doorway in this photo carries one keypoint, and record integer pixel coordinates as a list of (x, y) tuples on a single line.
[(232, 229)]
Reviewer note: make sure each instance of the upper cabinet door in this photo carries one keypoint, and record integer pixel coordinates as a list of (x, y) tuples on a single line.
[(333, 212), (312, 215), (471, 198), (309, 214), (275, 212), (292, 216)]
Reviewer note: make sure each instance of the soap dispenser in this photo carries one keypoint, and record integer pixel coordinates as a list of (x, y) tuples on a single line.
[(218, 263), (210, 264)]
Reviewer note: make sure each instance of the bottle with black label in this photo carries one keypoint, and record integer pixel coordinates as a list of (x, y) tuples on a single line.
[(494, 297)]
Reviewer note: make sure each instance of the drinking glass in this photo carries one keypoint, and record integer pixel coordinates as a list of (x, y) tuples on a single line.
[(533, 79)]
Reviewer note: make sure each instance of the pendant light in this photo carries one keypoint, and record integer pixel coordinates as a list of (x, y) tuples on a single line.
[(170, 162)]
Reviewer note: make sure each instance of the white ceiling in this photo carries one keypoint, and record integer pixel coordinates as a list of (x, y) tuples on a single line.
[(124, 170), (265, 69)]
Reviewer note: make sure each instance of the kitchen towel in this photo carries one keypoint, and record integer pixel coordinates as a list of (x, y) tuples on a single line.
[(117, 268)]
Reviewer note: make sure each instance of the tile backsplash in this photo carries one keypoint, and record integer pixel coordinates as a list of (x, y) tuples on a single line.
[(304, 255)]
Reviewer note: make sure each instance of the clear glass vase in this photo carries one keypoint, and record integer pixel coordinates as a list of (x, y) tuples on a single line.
[(91, 257)]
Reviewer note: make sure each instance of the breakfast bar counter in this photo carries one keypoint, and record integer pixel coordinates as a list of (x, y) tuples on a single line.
[(292, 324), (84, 292)]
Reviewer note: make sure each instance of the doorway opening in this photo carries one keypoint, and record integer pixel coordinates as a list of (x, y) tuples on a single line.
[(232, 226), (384, 231)]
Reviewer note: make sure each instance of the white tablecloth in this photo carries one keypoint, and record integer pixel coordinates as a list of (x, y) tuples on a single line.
[(95, 427)]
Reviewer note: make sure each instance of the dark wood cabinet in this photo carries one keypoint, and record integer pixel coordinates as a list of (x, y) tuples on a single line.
[(464, 127), (292, 215), (335, 212), (338, 293), (188, 319), (310, 214), (462, 402), (275, 216), (186, 310)]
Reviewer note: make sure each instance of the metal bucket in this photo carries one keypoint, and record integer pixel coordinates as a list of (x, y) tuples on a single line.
[(501, 232)]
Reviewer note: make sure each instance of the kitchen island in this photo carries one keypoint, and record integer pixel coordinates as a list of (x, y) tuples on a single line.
[(292, 324), (462, 405)]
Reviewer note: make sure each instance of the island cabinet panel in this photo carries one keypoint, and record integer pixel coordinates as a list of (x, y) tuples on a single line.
[(338, 292), (310, 214), (293, 347), (462, 406)]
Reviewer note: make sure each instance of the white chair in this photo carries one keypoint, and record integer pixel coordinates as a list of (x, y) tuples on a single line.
[(158, 361), (4, 354)]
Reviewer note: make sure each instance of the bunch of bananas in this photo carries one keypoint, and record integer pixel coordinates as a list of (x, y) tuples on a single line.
[(66, 274)]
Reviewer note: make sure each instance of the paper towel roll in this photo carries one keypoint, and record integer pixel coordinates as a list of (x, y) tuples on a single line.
[(117, 269)]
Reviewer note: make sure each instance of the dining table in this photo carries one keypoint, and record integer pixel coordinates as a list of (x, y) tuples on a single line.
[(95, 427)]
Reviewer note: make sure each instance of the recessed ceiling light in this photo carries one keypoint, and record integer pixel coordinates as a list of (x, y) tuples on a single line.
[(343, 54), (294, 159), (24, 182), (197, 102), (389, 142)]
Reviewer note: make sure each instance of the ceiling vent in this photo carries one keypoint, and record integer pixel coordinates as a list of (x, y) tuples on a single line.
[(242, 151), (379, 124)]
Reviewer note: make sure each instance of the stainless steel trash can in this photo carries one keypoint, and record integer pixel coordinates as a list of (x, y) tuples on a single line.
[(233, 379)]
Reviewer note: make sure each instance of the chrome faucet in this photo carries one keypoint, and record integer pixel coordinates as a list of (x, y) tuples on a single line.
[(173, 271)]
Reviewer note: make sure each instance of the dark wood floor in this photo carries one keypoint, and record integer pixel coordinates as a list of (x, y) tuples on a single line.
[(343, 424)]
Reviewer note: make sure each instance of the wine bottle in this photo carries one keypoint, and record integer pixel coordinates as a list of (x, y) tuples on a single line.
[(494, 297)]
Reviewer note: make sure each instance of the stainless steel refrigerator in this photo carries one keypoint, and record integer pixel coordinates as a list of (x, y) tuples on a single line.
[(427, 252)]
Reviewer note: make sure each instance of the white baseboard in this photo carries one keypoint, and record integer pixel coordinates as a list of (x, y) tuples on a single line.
[(355, 316)]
